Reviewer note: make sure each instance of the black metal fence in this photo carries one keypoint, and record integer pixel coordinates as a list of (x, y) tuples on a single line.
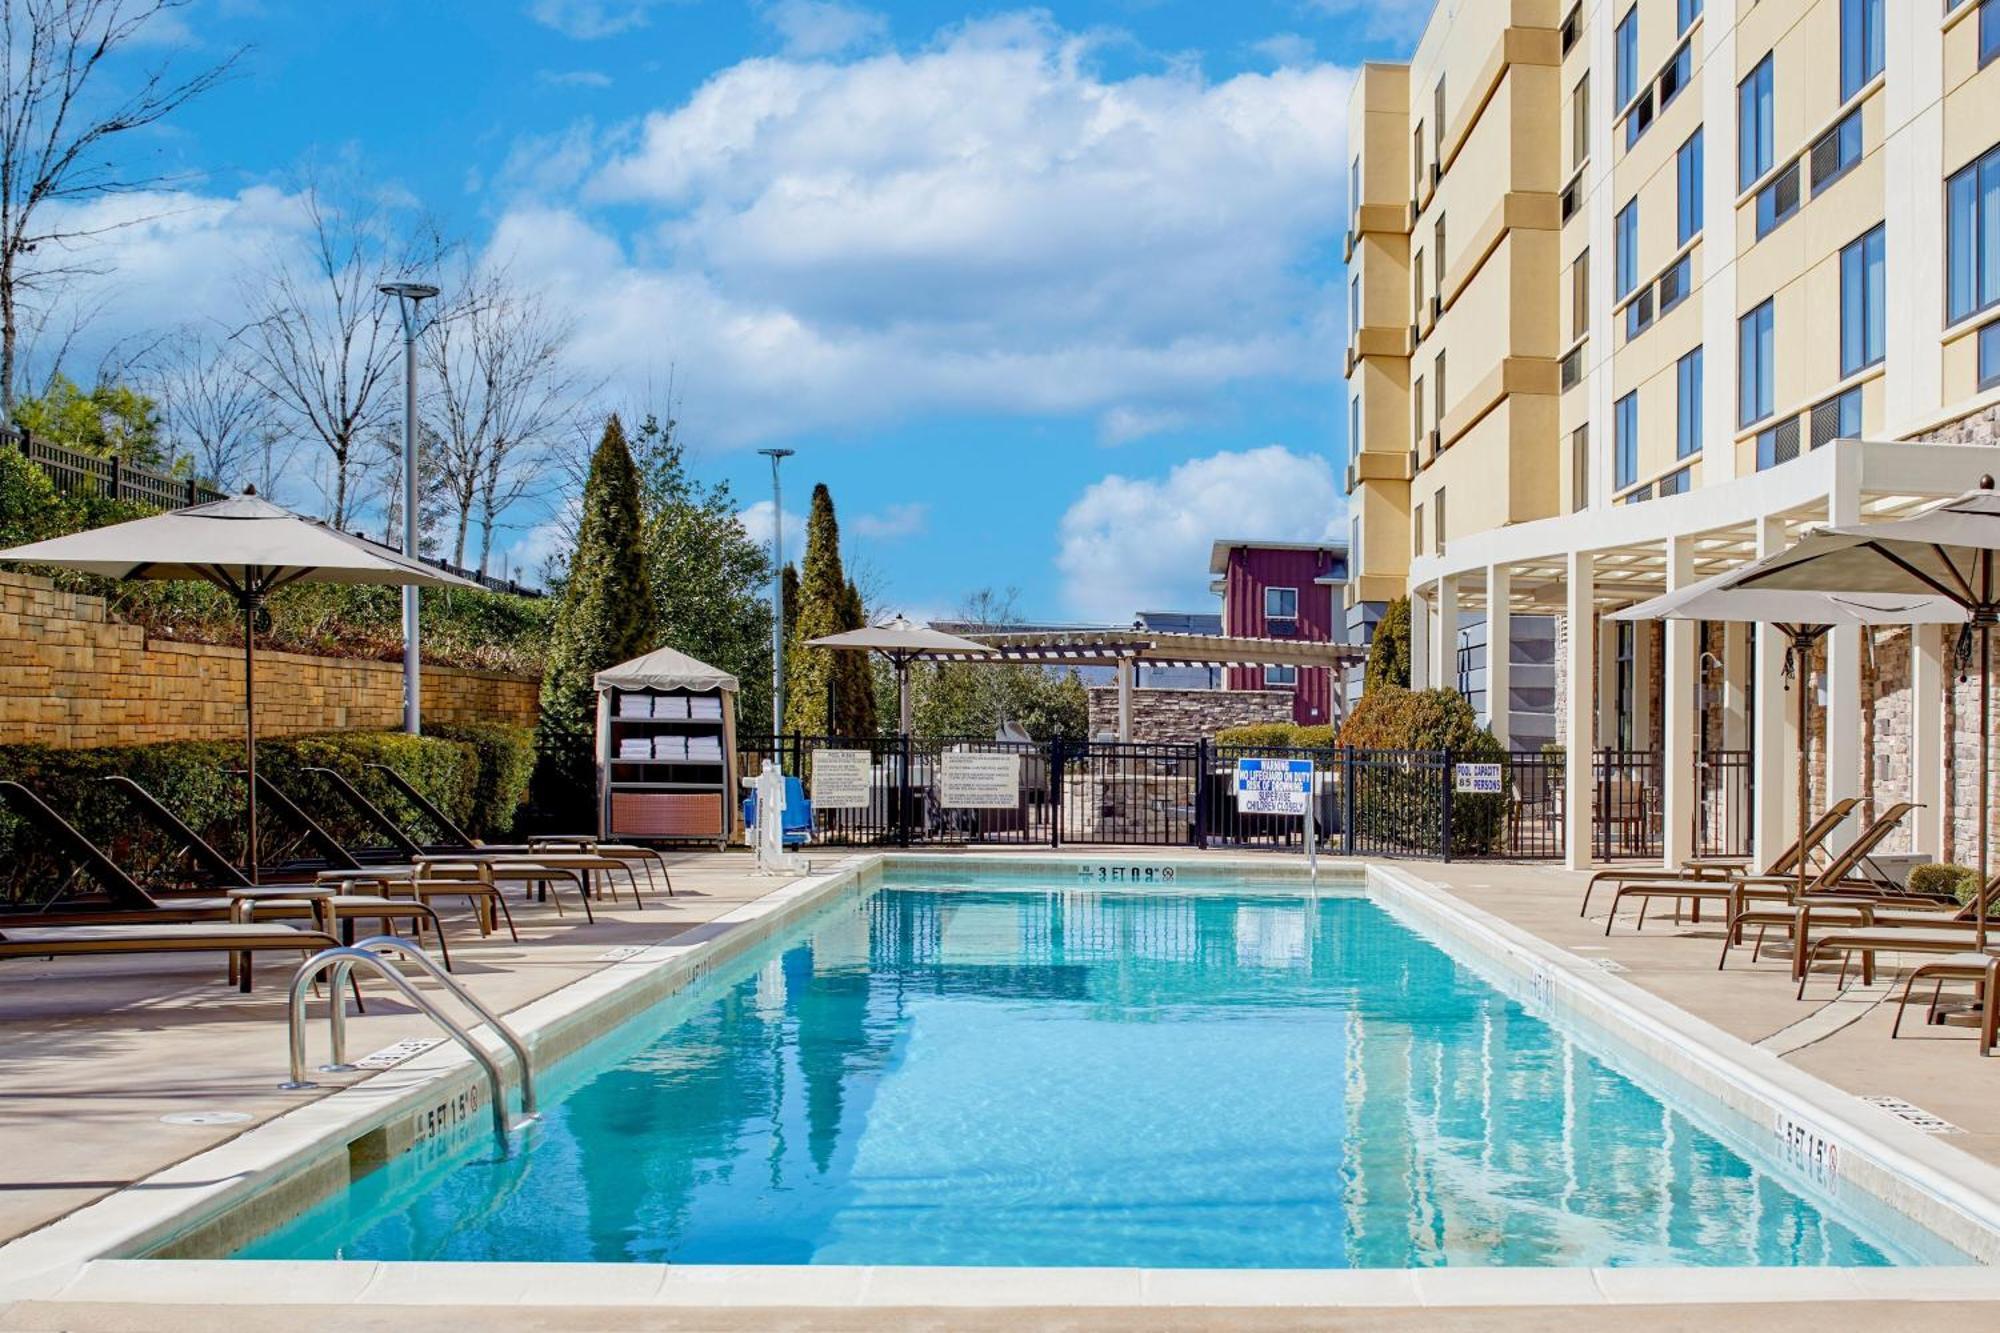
[(1365, 802)]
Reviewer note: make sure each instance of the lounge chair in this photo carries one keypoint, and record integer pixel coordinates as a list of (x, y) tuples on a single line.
[(72, 941), (1704, 869), (1889, 929), (1737, 891), (131, 904), (1982, 969)]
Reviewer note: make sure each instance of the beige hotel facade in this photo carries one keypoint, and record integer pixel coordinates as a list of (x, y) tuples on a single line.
[(1638, 290)]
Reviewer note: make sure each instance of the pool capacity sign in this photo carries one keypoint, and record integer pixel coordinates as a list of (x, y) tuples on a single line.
[(1274, 786)]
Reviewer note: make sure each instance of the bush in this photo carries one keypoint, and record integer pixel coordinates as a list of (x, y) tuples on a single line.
[(1277, 736), (1398, 796), (471, 776), (1389, 651), (1945, 877)]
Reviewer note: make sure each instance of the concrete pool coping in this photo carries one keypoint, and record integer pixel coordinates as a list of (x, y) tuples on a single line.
[(246, 1185)]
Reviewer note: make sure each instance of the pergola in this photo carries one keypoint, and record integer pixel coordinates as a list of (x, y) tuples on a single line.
[(1608, 557), (1126, 649)]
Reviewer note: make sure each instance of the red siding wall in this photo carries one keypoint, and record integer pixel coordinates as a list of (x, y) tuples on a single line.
[(1251, 570)]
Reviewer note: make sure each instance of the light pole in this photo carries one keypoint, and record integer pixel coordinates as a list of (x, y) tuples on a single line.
[(777, 456), (409, 295)]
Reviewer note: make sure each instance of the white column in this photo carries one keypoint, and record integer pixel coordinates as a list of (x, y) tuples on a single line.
[(1643, 685), (1607, 685), (1125, 699), (1499, 649), (1420, 641), (1580, 709), (1776, 764), (1735, 685), (1843, 663), (1679, 712), (1927, 677), (1445, 659)]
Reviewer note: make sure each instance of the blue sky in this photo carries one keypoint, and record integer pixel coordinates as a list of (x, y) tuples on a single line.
[(1048, 295)]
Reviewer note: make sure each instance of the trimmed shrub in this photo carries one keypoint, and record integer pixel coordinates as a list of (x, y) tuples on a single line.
[(195, 779), (1389, 651), (1277, 735), (1944, 877), (506, 758), (1397, 796)]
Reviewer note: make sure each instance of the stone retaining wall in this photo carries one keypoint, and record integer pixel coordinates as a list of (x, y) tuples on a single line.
[(1185, 716), (71, 677)]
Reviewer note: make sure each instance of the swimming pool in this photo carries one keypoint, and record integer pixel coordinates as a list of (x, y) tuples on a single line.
[(1062, 1075)]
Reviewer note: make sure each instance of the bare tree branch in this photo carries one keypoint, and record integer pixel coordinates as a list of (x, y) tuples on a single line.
[(213, 412)]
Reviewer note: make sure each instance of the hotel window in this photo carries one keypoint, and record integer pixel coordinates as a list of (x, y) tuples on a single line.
[(1685, 13), (1625, 441), (1437, 248), (1281, 678), (1579, 468), (1354, 194), (1353, 308), (1675, 483), (1676, 75), (1626, 246), (1755, 349), (1281, 604), (1687, 175), (1437, 522), (1687, 405), (1989, 31), (1353, 428), (1838, 418), (1834, 153), (1861, 296), (1754, 133), (1417, 531), (1417, 407), (1989, 356), (1437, 122), (1417, 286), (1579, 122), (1627, 47), (1579, 294), (1972, 238), (1437, 386), (1860, 44), (1417, 163)]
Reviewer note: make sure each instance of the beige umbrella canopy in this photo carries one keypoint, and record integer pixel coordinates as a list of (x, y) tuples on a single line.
[(249, 548), (1803, 617), (902, 642), (1945, 551)]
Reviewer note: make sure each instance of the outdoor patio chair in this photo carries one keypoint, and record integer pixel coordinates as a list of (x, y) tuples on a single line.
[(1886, 929), (1703, 869), (77, 940), (1739, 891), (1982, 969)]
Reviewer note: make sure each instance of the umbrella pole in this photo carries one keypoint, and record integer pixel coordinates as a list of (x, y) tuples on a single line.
[(250, 728), (1985, 749), (1802, 656)]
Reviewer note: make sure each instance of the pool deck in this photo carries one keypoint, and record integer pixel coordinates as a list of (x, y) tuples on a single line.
[(93, 1053)]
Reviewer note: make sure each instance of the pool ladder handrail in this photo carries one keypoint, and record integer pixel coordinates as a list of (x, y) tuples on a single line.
[(371, 954)]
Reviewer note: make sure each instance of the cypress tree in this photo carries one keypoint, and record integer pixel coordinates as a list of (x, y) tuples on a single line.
[(821, 611), (855, 677), (1389, 654), (788, 596), (605, 617)]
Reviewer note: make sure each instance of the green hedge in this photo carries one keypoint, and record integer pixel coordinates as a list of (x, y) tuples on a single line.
[(1397, 798), (474, 775), (1277, 736)]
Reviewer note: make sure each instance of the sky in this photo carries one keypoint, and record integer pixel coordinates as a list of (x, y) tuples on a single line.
[(1048, 296)]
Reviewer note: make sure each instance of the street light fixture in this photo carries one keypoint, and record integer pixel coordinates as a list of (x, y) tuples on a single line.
[(777, 456), (409, 295)]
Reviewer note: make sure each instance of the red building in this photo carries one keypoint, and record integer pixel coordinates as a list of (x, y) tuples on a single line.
[(1284, 590)]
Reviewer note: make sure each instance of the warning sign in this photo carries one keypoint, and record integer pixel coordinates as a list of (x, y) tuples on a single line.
[(1274, 786)]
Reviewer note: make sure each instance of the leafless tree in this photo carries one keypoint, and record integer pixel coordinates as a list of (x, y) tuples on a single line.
[(324, 342), (59, 139), (503, 395), (213, 410)]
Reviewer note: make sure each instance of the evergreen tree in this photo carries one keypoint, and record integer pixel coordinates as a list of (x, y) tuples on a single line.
[(604, 617), (788, 595), (821, 611), (854, 677), (1389, 654)]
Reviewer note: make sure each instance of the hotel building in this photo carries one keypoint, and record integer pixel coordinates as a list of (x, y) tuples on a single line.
[(1639, 289)]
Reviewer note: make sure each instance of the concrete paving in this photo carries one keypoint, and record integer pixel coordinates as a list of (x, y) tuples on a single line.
[(94, 1053)]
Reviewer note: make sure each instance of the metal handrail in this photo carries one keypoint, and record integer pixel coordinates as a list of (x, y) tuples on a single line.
[(370, 953)]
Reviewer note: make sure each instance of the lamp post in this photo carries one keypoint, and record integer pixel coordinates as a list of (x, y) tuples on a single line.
[(409, 295), (777, 456)]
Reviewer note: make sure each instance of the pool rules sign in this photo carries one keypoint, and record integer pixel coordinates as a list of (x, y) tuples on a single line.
[(1279, 787)]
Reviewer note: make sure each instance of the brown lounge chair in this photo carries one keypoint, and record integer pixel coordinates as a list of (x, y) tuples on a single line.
[(1890, 930), (1741, 889), (1982, 969), (1707, 869), (161, 937)]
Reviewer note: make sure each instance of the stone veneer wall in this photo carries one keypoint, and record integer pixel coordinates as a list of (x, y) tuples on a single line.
[(71, 677), (1185, 716)]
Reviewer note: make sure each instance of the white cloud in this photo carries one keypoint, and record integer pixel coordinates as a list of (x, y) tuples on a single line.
[(815, 28), (903, 520), (1382, 20), (1286, 49), (756, 521), (1133, 543), (987, 224), (574, 78), (1122, 425), (588, 20)]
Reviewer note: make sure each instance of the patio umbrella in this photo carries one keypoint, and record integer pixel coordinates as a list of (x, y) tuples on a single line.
[(902, 643), (1803, 618), (1943, 551), (249, 548)]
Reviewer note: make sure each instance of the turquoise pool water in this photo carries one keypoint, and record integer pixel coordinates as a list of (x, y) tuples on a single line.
[(1060, 1077)]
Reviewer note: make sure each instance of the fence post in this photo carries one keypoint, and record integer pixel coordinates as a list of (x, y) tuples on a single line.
[(193, 494), (903, 791), (1055, 790), (1347, 799), (117, 478), (1204, 786), (1444, 825)]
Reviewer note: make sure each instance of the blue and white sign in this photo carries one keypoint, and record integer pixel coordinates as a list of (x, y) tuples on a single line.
[(1274, 786)]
